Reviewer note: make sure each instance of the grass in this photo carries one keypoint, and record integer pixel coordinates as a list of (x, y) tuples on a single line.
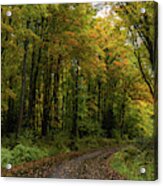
[(130, 160)]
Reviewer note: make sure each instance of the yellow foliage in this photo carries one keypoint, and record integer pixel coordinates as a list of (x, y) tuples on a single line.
[(125, 62), (4, 107), (102, 66), (10, 93), (6, 27), (70, 33), (76, 22)]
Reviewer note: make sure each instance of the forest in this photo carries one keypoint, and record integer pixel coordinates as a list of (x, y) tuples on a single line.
[(79, 80)]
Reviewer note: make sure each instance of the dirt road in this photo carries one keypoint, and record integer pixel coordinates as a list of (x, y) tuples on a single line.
[(92, 165)]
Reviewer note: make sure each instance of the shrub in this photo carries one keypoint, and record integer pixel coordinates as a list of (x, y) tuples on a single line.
[(89, 128), (6, 157), (21, 154)]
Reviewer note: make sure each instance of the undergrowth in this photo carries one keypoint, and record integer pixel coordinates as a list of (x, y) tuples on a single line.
[(131, 159), (29, 147)]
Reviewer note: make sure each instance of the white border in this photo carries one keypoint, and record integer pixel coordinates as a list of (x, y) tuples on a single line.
[(56, 1), (62, 182)]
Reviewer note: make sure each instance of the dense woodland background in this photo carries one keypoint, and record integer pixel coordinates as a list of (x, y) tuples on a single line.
[(77, 77)]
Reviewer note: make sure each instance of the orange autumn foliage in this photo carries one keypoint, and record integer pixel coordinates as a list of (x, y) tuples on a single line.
[(73, 42), (93, 35), (117, 63), (69, 33), (125, 62)]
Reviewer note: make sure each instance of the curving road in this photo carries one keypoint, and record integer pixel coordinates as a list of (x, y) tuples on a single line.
[(92, 165)]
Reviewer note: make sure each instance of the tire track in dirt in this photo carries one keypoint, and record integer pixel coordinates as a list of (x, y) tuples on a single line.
[(92, 165)]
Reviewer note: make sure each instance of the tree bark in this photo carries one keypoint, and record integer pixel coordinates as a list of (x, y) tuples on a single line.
[(122, 122), (75, 106), (32, 88), (144, 76), (23, 85), (56, 90), (46, 102), (99, 100), (10, 127)]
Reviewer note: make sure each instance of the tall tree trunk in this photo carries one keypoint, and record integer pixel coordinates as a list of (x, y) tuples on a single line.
[(122, 121), (63, 100), (99, 100), (68, 108), (10, 127), (56, 90), (75, 106), (144, 75), (46, 101), (32, 88), (23, 85)]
